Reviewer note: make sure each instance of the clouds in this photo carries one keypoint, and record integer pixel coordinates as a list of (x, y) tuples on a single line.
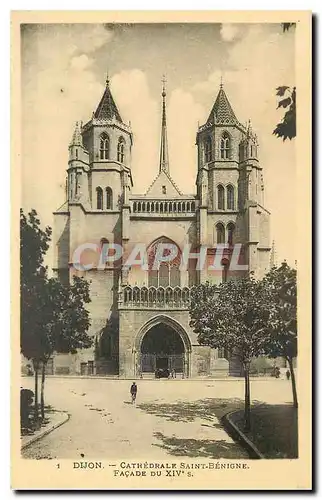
[(59, 87), (260, 59), (131, 90), (63, 80)]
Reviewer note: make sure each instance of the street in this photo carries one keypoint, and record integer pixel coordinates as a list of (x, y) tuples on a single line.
[(178, 418)]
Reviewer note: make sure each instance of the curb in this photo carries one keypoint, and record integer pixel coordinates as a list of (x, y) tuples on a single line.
[(66, 417), (186, 379), (237, 434)]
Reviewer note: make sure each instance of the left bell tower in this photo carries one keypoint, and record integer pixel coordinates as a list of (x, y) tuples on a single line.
[(108, 141)]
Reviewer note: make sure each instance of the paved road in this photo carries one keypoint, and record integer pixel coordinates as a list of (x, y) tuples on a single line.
[(177, 418)]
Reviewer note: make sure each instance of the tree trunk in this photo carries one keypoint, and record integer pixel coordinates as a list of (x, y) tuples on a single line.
[(247, 399), (36, 413), (42, 390), (295, 402)]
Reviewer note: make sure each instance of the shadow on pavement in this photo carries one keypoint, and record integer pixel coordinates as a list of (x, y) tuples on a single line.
[(198, 447), (184, 411)]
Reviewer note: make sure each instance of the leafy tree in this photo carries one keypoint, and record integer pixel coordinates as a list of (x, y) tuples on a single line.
[(286, 129), (280, 284), (233, 316), (287, 26), (65, 321), (53, 316), (34, 242)]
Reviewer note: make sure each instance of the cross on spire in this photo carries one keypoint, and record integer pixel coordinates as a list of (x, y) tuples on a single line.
[(164, 81), (107, 81)]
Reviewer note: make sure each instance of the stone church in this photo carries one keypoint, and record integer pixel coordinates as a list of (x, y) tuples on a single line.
[(140, 317)]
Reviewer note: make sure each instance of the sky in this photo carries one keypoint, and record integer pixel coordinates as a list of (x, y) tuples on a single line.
[(64, 69)]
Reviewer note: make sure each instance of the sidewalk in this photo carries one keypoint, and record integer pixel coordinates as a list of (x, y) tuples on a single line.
[(57, 418)]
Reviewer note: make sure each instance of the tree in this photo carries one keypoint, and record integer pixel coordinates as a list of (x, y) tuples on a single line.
[(280, 284), (65, 321), (286, 129), (53, 316), (233, 316), (34, 242)]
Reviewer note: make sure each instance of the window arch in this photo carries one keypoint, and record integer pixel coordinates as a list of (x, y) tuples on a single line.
[(104, 146), (230, 233), (225, 146), (168, 273), (109, 198), (121, 150), (208, 150), (99, 198), (220, 233), (221, 197), (230, 197)]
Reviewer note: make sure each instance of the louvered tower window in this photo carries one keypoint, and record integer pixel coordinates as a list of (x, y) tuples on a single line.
[(225, 145)]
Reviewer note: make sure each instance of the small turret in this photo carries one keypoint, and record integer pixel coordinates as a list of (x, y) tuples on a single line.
[(78, 159), (248, 149)]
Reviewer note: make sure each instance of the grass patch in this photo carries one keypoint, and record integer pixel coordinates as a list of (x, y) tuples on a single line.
[(274, 430)]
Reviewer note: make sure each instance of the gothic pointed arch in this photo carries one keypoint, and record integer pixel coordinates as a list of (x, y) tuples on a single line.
[(221, 197), (208, 149), (109, 198), (99, 198), (166, 273), (225, 146), (121, 150), (220, 233), (231, 233), (104, 146), (230, 196)]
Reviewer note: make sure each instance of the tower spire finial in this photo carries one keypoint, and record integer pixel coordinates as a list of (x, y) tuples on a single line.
[(164, 155), (107, 81), (221, 82)]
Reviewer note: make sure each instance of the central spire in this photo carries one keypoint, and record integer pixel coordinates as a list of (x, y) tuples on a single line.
[(164, 155)]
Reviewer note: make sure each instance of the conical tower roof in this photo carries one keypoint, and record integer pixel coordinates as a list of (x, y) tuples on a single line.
[(222, 112), (107, 109), (77, 136)]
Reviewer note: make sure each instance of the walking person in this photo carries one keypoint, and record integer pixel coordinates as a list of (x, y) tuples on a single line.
[(288, 374), (133, 392)]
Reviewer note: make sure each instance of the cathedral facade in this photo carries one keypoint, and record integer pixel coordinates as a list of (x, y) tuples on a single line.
[(140, 314)]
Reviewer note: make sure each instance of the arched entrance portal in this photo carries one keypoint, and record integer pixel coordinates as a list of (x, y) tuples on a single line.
[(162, 348), (163, 345)]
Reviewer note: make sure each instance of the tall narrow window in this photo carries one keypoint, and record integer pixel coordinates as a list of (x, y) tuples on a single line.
[(104, 147), (99, 198), (230, 198), (221, 197), (230, 233), (168, 273), (220, 231), (109, 198), (120, 150), (208, 152), (225, 146)]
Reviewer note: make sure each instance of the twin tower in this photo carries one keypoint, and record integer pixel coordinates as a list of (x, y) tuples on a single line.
[(229, 201), (136, 312)]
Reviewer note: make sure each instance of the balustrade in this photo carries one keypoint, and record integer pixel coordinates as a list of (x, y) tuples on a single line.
[(163, 207), (155, 297)]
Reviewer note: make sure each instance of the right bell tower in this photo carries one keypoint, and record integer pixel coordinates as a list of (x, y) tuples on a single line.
[(230, 188)]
